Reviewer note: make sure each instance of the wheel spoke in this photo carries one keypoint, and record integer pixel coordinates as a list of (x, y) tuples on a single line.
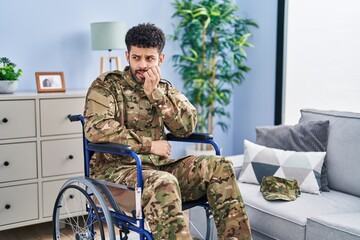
[(70, 213)]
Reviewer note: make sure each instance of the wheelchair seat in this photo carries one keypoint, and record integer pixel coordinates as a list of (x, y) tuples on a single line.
[(92, 207)]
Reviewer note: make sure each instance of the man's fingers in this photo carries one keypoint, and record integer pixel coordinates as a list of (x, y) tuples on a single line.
[(161, 148), (154, 72), (157, 71), (168, 149)]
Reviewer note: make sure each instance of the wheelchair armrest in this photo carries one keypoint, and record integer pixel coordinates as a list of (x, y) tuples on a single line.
[(112, 148), (117, 149), (192, 138), (196, 138)]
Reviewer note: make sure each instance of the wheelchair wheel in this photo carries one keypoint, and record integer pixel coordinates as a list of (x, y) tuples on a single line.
[(80, 213)]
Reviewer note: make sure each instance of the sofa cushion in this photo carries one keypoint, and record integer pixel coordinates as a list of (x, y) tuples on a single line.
[(302, 137), (287, 220), (237, 161), (260, 161), (343, 149), (345, 226)]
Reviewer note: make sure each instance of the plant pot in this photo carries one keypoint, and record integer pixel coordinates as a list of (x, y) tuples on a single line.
[(8, 86), (191, 150)]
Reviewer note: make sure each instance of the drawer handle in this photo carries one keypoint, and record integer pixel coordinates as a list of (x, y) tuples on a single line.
[(71, 196), (5, 120), (6, 163), (71, 157), (7, 206)]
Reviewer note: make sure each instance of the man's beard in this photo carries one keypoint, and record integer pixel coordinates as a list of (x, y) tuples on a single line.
[(138, 75)]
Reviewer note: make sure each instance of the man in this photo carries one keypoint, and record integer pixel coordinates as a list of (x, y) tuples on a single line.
[(134, 107)]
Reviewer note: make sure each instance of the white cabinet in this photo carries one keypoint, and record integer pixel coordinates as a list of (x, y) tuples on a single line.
[(12, 116), (53, 116), (68, 160), (52, 190), (18, 161), (39, 150), (18, 204)]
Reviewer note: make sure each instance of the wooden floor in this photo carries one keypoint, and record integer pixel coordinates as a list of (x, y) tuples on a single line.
[(34, 232), (41, 231)]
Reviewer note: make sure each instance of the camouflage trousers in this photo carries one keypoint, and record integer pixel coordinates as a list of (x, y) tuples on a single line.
[(187, 179)]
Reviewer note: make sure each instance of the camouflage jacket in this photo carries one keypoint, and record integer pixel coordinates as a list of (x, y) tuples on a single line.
[(118, 110)]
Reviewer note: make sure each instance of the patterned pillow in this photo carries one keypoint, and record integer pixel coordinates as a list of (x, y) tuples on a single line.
[(261, 161), (303, 137)]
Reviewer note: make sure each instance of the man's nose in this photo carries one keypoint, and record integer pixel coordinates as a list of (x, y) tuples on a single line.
[(142, 64)]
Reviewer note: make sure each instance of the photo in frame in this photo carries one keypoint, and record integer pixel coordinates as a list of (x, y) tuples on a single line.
[(50, 82)]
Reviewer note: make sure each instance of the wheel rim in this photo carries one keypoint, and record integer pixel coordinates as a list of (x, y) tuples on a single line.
[(70, 220)]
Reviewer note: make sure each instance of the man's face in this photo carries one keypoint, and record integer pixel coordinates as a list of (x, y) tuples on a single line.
[(142, 59)]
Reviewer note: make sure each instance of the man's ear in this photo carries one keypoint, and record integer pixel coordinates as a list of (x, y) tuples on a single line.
[(127, 56), (161, 58)]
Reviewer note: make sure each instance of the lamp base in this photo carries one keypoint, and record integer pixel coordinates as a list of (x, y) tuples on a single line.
[(109, 59)]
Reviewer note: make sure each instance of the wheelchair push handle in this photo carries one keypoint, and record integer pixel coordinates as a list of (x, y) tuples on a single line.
[(75, 118)]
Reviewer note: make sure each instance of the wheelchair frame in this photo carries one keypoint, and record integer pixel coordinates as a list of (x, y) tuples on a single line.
[(98, 197)]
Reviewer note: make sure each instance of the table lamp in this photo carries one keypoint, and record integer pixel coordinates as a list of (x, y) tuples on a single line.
[(108, 36)]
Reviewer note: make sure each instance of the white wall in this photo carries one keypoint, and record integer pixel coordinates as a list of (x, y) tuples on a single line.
[(322, 57), (42, 35)]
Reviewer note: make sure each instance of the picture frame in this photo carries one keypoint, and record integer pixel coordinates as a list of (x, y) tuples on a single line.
[(50, 82)]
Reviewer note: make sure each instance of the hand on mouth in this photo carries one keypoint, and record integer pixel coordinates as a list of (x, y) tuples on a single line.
[(140, 75)]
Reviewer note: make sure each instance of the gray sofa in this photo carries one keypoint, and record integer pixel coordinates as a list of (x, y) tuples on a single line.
[(329, 215)]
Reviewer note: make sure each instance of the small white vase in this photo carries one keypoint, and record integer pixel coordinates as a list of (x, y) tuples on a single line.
[(8, 86)]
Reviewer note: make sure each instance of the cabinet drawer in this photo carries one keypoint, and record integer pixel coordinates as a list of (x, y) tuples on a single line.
[(17, 119), (63, 156), (18, 204), (51, 190), (17, 161), (54, 112)]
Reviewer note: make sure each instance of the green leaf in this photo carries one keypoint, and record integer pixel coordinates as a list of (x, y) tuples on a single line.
[(7, 71), (213, 41)]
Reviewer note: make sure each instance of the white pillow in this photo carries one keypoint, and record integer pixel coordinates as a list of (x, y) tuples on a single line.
[(261, 161)]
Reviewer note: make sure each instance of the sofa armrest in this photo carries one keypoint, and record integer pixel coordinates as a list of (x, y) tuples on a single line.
[(237, 161)]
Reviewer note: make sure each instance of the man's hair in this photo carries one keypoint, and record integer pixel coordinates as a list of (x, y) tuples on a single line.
[(145, 35)]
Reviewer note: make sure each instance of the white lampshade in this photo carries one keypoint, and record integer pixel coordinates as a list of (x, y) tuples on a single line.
[(108, 35)]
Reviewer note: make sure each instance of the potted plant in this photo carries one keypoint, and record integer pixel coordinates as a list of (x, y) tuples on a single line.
[(212, 39), (8, 76)]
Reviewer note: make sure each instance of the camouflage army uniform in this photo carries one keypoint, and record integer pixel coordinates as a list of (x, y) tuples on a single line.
[(117, 110)]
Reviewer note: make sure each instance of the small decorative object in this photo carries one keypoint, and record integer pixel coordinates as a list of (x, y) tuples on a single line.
[(50, 82), (8, 76), (108, 36)]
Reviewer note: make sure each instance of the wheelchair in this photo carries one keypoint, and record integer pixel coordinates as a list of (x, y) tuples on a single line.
[(87, 208)]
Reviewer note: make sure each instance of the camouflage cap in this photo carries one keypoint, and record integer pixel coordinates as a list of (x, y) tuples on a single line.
[(276, 188)]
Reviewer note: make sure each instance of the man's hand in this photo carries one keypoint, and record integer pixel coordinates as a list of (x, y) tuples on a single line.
[(161, 148), (152, 79)]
